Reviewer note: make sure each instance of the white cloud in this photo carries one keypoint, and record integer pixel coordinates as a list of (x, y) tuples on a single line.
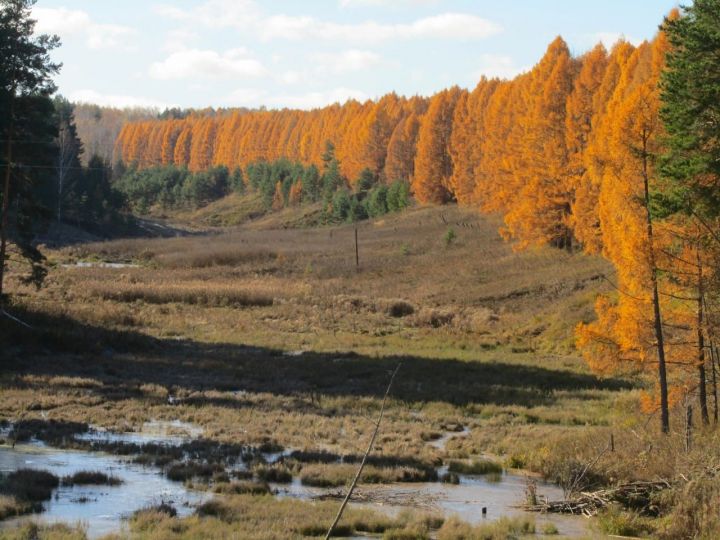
[(119, 101), (444, 26), (193, 63), (345, 61), (246, 15), (500, 66), (215, 13), (72, 22), (350, 3), (608, 39)]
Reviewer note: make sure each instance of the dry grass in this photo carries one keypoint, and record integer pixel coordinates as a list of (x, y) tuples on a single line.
[(192, 293), (335, 475), (32, 531), (258, 518), (502, 529)]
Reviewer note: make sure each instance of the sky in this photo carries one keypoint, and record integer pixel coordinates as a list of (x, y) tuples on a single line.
[(306, 54)]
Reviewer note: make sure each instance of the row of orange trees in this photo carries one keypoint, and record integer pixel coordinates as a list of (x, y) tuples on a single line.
[(568, 153)]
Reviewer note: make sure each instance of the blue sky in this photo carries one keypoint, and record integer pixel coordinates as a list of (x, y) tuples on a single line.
[(224, 53)]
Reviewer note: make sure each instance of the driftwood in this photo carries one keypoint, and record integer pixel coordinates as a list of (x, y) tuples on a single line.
[(636, 495)]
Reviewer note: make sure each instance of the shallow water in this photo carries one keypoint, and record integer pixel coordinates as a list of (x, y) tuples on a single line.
[(106, 506), (442, 441), (501, 497)]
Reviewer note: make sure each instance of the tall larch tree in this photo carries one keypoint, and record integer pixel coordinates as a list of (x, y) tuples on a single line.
[(540, 214), (433, 164), (630, 235), (586, 221)]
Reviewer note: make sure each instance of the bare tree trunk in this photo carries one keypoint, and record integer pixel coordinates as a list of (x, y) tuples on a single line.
[(66, 153), (662, 369), (6, 193), (714, 382), (701, 346)]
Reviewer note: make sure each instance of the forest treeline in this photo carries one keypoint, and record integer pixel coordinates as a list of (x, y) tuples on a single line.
[(581, 153)]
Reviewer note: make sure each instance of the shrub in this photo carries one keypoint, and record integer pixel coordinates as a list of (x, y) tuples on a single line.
[(450, 237), (400, 308)]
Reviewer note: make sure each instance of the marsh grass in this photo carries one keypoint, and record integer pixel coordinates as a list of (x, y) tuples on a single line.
[(618, 522), (502, 529), (11, 507), (180, 472), (475, 466), (336, 475), (278, 474), (29, 485), (259, 518), (203, 294), (91, 478), (32, 531)]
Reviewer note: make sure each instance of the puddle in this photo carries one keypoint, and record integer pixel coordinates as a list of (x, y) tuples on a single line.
[(172, 433), (466, 500), (106, 506), (100, 265)]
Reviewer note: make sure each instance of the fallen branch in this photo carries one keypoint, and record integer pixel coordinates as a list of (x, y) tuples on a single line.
[(364, 459), (15, 319), (638, 495)]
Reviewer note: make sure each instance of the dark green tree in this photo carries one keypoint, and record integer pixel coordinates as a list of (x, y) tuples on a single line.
[(26, 115), (365, 182), (376, 202), (691, 113), (311, 184), (67, 160), (237, 181)]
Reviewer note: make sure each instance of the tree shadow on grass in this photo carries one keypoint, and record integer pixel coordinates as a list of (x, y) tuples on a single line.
[(123, 361)]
